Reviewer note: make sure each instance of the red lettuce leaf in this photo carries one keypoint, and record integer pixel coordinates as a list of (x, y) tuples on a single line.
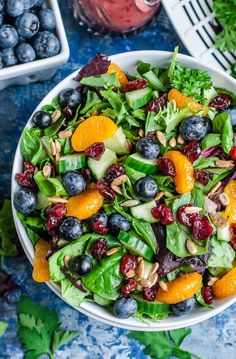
[(98, 65)]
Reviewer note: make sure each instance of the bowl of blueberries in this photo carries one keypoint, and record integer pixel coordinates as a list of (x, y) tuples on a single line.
[(33, 42)]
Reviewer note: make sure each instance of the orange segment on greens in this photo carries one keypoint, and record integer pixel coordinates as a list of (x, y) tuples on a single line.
[(230, 210), (93, 129), (180, 289), (183, 101), (40, 264), (225, 286), (184, 179), (121, 76), (85, 204)]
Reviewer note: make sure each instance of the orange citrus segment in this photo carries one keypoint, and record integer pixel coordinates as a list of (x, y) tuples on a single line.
[(230, 210), (226, 285), (180, 289), (184, 179), (85, 204), (40, 264), (184, 101), (121, 76), (93, 129)]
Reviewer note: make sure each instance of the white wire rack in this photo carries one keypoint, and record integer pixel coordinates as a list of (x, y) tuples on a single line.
[(196, 25)]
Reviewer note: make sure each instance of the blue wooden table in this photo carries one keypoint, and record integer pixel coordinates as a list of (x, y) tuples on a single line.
[(213, 339)]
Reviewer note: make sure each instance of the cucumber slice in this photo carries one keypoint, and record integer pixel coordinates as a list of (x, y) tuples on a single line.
[(223, 234), (117, 143), (139, 98), (153, 310), (99, 167), (72, 162), (143, 211), (135, 245), (141, 164)]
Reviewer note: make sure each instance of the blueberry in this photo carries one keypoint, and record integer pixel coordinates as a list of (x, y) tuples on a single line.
[(29, 4), (70, 228), (9, 57), (74, 183), (70, 97), (148, 148), (42, 119), (2, 4), (99, 216), (81, 265), (8, 36), (46, 44), (25, 201), (15, 7), (232, 113), (47, 19), (195, 128), (146, 188), (27, 25), (125, 307), (117, 222), (25, 53), (184, 307)]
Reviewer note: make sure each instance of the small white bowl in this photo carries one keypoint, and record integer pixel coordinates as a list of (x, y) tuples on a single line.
[(127, 62), (38, 70)]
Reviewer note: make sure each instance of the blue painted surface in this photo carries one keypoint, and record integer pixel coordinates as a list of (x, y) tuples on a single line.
[(213, 339)]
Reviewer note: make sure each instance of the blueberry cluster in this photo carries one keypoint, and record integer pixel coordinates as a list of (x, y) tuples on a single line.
[(26, 32)]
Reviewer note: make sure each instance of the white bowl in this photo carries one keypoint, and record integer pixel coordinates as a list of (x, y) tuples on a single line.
[(127, 62)]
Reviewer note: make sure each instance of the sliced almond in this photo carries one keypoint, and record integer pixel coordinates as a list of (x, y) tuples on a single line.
[(47, 170), (159, 196), (67, 260), (120, 159), (172, 142), (140, 268), (58, 150), (116, 189), (154, 268), (218, 220), (224, 164), (161, 138), (163, 286), (130, 203), (180, 140), (153, 279), (95, 113), (191, 210), (57, 200), (56, 115), (224, 199), (191, 247), (145, 283), (65, 134), (119, 180), (212, 281), (214, 189), (141, 132), (130, 274), (112, 251), (128, 146), (53, 148)]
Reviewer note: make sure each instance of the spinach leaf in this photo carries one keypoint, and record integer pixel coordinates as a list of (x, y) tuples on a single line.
[(211, 140), (165, 183), (154, 82), (139, 113), (31, 147), (198, 197), (143, 67), (204, 162), (91, 100), (72, 294), (50, 186), (222, 124), (222, 254), (218, 175), (33, 226), (145, 231), (180, 201), (104, 80), (55, 105), (201, 301), (133, 174), (54, 128)]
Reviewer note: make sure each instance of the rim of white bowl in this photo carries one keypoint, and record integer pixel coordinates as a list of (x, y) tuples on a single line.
[(91, 309)]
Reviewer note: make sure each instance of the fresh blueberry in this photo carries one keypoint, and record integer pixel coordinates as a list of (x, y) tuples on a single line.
[(70, 97), (81, 265), (29, 4), (42, 119), (195, 128), (9, 57), (70, 228), (184, 307), (232, 113), (46, 44), (98, 217), (148, 148), (27, 25), (117, 222), (25, 52), (8, 36), (15, 7), (2, 4), (125, 307), (25, 201), (74, 183), (146, 188), (47, 19)]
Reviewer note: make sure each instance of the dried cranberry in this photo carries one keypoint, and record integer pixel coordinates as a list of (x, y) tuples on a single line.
[(233, 153), (26, 179), (98, 249), (152, 135), (105, 189), (55, 213), (53, 222), (157, 104), (95, 151), (184, 218), (129, 287), (86, 173), (128, 263), (68, 112), (166, 166), (202, 176), (192, 151), (219, 153), (134, 85), (233, 236), (163, 212), (201, 228), (149, 294), (113, 171), (98, 227), (221, 102), (207, 294)]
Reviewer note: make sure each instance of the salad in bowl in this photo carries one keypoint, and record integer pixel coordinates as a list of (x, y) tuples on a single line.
[(127, 190)]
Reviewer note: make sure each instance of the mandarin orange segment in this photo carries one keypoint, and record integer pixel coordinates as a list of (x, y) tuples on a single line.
[(40, 264), (230, 210), (85, 204), (93, 129), (180, 289), (184, 101), (225, 286), (184, 179), (121, 76)]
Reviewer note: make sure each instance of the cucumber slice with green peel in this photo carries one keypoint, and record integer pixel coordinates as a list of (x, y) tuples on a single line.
[(135, 245), (139, 98), (223, 234), (101, 301), (72, 162), (143, 211), (153, 310), (117, 143), (141, 164), (98, 167)]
